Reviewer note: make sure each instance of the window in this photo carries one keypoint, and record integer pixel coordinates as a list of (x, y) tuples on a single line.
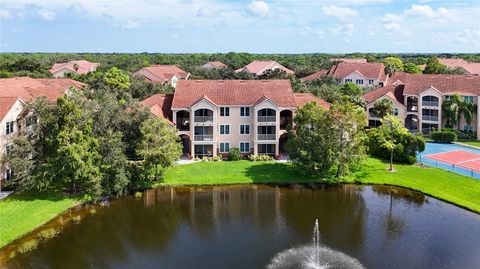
[(468, 128), (224, 111), (370, 82), (347, 80), (224, 129), (468, 99), (244, 147), (8, 148), (244, 111), (9, 128), (8, 174), (31, 121), (224, 147), (395, 111), (359, 81), (244, 129)]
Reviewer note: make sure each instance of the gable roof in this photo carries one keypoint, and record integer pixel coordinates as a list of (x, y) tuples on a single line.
[(349, 60), (258, 67), (6, 104), (471, 68), (164, 72), (302, 99), (215, 64), (233, 92), (395, 92), (160, 105), (84, 67), (368, 70), (27, 89), (315, 75)]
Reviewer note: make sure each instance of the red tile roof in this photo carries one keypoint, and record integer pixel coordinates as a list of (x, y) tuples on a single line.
[(26, 88), (6, 104), (302, 99), (258, 67), (233, 92), (393, 91), (160, 105), (217, 64), (349, 60), (471, 68), (83, 66), (165, 72), (315, 75), (368, 70)]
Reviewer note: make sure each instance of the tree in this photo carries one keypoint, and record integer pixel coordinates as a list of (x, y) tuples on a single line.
[(383, 107), (433, 66), (352, 93), (273, 74), (19, 158), (349, 135), (160, 145), (392, 65), (466, 109), (412, 68), (117, 79), (451, 110), (391, 127)]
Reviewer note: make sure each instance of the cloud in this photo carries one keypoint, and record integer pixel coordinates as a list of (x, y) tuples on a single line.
[(469, 36), (342, 29), (46, 14), (5, 14), (131, 24), (342, 13), (426, 11), (259, 8)]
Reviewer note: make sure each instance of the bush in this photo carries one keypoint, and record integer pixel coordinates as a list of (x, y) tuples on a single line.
[(48, 233), (404, 152), (444, 136), (27, 246), (260, 158), (234, 154), (215, 158)]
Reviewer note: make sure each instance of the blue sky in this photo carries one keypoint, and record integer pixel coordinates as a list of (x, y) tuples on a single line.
[(268, 26)]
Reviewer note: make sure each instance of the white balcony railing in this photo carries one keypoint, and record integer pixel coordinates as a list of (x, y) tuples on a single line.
[(430, 103), (203, 118), (267, 119), (430, 118), (266, 136), (203, 137)]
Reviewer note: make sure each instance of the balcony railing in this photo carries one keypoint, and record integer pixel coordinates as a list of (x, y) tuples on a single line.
[(412, 108), (429, 103), (203, 118), (267, 119), (203, 137), (430, 118), (267, 136)]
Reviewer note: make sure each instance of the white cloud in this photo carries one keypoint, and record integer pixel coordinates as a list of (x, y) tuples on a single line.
[(5, 14), (342, 13), (469, 36), (259, 8), (389, 18), (427, 12), (46, 14), (343, 29), (131, 24)]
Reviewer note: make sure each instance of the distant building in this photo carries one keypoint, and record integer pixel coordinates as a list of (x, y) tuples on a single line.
[(14, 94), (317, 75), (167, 74), (363, 74), (160, 105), (470, 68), (214, 65), (349, 60), (257, 68), (78, 67)]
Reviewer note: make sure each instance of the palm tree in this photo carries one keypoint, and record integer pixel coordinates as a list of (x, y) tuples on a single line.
[(451, 110), (467, 109)]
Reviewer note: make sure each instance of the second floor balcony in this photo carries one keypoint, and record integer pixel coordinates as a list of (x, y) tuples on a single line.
[(203, 138), (203, 119), (430, 103), (429, 118), (266, 137), (267, 118)]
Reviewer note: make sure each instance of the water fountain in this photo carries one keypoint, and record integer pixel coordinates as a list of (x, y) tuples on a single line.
[(313, 256)]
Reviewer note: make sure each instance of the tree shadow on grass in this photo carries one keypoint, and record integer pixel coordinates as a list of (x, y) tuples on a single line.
[(285, 173), (32, 195)]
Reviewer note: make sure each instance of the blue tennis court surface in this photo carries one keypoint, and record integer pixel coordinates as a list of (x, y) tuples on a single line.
[(432, 148)]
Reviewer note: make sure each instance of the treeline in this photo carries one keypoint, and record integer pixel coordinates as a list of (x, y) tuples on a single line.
[(97, 142), (38, 64)]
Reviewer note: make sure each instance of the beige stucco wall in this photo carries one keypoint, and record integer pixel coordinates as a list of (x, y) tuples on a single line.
[(355, 75), (5, 139), (402, 110)]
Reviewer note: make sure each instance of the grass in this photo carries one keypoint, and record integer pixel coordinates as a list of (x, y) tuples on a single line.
[(22, 213), (473, 143), (444, 185)]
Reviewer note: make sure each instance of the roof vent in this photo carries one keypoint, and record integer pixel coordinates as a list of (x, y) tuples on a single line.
[(264, 81), (242, 81), (198, 81), (221, 81)]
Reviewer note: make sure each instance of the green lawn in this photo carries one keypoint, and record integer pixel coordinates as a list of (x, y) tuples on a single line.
[(22, 213), (448, 186), (473, 143)]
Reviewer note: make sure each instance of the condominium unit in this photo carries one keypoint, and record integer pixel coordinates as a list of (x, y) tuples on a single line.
[(362, 74), (418, 99), (14, 94), (59, 70), (213, 116), (162, 73), (258, 68)]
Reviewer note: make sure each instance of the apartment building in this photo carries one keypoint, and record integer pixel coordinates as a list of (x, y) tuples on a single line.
[(418, 99), (214, 65), (14, 94), (165, 74), (363, 74), (258, 68), (59, 70), (213, 116)]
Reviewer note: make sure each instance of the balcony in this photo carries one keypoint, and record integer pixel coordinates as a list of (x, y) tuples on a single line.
[(266, 136), (267, 118), (203, 119), (412, 108), (203, 138), (429, 118), (430, 103)]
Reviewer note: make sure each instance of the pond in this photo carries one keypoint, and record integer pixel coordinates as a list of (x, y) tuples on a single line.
[(247, 226)]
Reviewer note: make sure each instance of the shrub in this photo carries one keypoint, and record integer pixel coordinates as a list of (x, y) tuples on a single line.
[(215, 158), (234, 154), (260, 157), (28, 246), (404, 152), (138, 195), (48, 233), (444, 136), (205, 159)]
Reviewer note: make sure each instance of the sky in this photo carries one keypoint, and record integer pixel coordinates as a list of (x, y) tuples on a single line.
[(264, 26)]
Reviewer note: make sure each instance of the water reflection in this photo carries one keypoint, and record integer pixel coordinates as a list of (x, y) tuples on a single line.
[(245, 226)]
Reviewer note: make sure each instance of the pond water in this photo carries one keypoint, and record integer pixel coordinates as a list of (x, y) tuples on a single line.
[(247, 226)]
